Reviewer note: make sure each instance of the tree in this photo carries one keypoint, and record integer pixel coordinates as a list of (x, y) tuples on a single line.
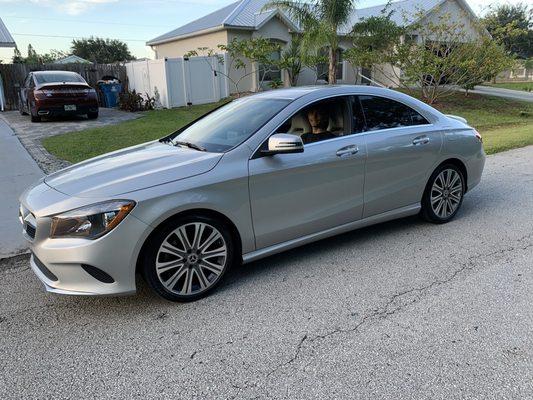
[(291, 60), (485, 60), (241, 54), (440, 58), (320, 21), (103, 51), (512, 25), (17, 57), (36, 58)]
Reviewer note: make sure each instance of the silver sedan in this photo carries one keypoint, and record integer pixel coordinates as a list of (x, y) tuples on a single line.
[(255, 177)]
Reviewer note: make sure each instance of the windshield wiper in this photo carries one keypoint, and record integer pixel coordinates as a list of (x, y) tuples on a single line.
[(191, 146)]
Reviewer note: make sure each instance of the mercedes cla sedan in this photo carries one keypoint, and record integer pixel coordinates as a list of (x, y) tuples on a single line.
[(254, 177)]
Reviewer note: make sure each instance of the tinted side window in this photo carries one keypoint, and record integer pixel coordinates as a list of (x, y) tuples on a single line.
[(382, 113)]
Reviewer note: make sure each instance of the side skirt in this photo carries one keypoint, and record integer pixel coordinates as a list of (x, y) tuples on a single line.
[(375, 219)]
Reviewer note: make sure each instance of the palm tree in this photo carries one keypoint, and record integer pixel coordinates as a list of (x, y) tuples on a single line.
[(320, 21)]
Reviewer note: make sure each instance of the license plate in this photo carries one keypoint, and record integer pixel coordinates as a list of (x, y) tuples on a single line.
[(71, 107)]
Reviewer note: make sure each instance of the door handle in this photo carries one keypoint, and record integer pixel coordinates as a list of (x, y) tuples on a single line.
[(420, 140), (347, 151)]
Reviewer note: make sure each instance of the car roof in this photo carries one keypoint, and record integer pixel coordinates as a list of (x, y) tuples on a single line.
[(54, 71), (325, 90)]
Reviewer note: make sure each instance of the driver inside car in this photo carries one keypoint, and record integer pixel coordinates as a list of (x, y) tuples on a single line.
[(318, 118)]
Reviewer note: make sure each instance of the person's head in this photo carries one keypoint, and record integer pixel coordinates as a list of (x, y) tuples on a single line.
[(318, 118)]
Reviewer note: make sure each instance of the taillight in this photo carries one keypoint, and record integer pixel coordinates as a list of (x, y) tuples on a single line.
[(42, 94), (478, 137)]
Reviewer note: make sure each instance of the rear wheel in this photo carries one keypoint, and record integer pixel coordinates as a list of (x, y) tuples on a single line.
[(92, 115), (35, 118), (188, 258), (444, 194)]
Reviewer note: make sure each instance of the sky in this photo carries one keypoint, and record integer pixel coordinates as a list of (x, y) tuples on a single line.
[(52, 24)]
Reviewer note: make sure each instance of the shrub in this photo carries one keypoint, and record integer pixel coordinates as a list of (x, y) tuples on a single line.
[(133, 101)]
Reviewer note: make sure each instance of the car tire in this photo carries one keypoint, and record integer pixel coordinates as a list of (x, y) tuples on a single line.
[(443, 195), (35, 118), (92, 115), (187, 258)]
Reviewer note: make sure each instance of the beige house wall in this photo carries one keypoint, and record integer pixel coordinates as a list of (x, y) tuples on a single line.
[(179, 48), (456, 13)]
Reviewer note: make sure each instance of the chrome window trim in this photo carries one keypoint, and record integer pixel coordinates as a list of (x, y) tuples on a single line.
[(386, 130)]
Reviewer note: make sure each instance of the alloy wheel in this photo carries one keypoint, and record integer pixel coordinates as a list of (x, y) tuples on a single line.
[(191, 259), (446, 193)]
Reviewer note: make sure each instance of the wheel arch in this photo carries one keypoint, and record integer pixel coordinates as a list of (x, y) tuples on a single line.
[(204, 212)]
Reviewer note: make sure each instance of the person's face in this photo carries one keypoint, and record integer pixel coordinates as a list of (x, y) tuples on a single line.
[(318, 118)]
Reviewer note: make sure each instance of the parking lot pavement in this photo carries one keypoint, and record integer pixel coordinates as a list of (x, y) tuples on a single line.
[(17, 172), (31, 133), (403, 310)]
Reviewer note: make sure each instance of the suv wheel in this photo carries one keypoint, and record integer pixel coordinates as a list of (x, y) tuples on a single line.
[(444, 194), (188, 258)]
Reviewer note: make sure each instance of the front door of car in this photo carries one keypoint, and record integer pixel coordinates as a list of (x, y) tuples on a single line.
[(402, 148), (293, 195), (24, 91)]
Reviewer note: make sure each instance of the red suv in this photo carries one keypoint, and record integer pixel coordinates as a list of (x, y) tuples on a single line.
[(57, 93)]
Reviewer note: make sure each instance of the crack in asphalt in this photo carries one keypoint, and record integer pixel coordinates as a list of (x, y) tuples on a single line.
[(384, 312)]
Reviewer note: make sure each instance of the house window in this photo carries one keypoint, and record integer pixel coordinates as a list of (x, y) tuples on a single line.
[(322, 69), (269, 72)]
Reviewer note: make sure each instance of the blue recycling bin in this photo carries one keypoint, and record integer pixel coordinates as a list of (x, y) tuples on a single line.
[(110, 93)]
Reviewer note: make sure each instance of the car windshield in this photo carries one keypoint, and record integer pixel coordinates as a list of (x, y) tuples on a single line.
[(52, 77), (230, 125)]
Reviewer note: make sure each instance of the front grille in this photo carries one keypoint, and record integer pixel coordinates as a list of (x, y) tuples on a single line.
[(46, 272), (30, 230)]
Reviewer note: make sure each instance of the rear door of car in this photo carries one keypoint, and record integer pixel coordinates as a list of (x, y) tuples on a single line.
[(294, 195), (402, 147)]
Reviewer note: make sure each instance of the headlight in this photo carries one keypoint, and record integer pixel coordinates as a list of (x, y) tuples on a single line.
[(92, 221)]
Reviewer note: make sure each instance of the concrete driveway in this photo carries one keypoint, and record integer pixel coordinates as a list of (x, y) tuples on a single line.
[(403, 310), (505, 93), (30, 134)]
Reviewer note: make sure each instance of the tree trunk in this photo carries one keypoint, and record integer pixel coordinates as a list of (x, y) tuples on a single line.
[(332, 71)]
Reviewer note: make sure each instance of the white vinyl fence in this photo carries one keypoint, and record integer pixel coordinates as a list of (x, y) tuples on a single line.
[(179, 81)]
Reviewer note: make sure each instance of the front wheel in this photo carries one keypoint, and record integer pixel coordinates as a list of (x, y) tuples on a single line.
[(92, 115), (188, 258), (443, 195)]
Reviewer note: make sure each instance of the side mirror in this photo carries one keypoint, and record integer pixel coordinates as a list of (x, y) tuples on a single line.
[(284, 143)]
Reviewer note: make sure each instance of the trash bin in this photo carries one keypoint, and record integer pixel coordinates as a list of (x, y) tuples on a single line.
[(110, 92)]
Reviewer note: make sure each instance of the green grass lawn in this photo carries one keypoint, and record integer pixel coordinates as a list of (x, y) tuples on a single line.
[(504, 124), (526, 86)]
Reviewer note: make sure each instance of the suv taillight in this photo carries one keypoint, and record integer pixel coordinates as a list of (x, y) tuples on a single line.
[(478, 137)]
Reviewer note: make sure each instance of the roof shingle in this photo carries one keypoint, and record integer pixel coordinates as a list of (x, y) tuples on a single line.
[(249, 14)]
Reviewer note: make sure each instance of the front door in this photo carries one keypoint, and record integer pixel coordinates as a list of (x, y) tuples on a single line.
[(294, 195)]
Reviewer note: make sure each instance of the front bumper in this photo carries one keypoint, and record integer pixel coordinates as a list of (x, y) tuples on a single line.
[(83, 267)]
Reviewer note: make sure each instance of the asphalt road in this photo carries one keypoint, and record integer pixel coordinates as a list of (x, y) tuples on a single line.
[(403, 310)]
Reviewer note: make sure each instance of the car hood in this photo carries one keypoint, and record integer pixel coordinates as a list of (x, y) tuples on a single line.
[(131, 169)]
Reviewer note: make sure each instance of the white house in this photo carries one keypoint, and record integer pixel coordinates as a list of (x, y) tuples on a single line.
[(246, 19)]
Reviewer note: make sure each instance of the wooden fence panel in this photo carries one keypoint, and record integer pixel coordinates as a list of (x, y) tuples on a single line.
[(14, 74)]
